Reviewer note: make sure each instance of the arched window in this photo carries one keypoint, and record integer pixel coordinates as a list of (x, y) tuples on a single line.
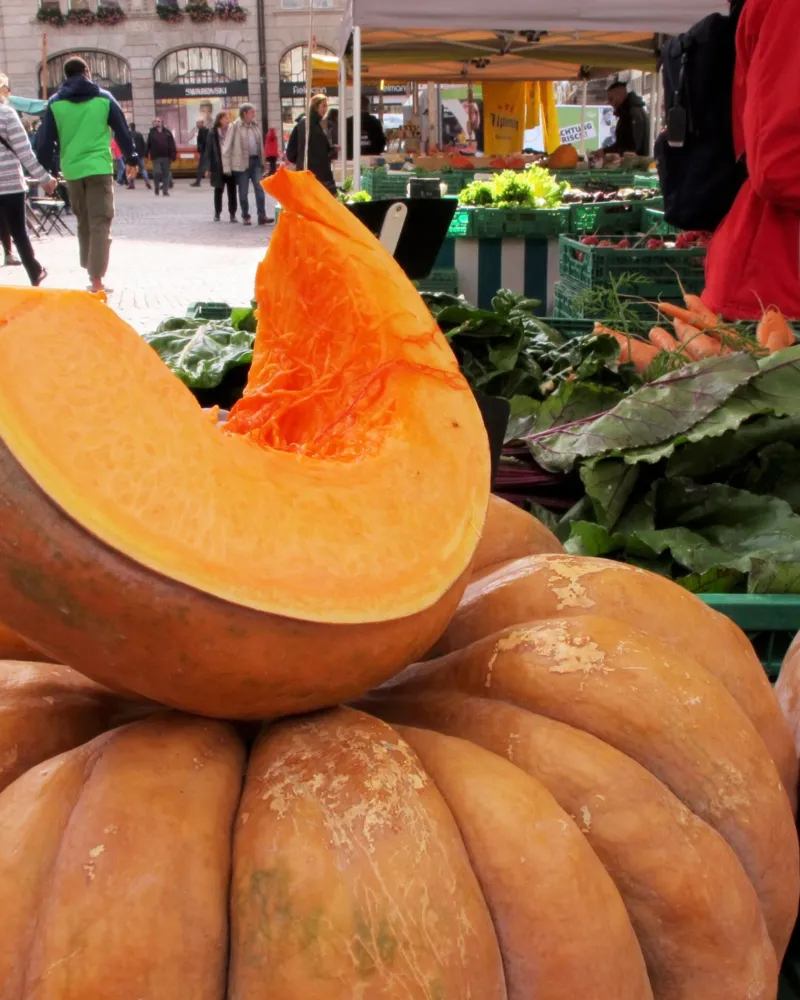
[(109, 71), (196, 83), (293, 85)]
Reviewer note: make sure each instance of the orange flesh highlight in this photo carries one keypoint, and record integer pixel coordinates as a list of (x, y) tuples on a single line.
[(360, 502)]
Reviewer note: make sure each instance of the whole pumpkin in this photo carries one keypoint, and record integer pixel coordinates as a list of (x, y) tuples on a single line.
[(567, 808), (563, 158), (291, 559)]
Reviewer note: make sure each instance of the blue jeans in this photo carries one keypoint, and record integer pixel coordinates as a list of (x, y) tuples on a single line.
[(121, 170), (243, 179)]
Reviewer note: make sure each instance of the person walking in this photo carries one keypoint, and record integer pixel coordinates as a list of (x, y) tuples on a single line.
[(201, 138), (76, 123), (161, 149), (15, 154), (9, 260), (321, 152), (222, 178), (244, 150), (139, 145), (271, 150)]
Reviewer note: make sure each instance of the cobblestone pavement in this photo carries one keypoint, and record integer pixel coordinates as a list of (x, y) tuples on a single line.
[(166, 254)]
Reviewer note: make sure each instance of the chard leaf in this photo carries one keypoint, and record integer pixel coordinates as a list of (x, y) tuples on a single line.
[(719, 527), (769, 576), (202, 354), (609, 484), (653, 415)]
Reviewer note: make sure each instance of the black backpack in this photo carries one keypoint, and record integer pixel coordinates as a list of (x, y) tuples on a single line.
[(700, 176)]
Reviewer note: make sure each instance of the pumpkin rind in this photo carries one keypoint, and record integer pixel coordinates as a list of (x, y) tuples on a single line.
[(551, 586), (114, 866), (350, 877), (517, 834), (656, 706), (511, 533), (695, 913), (46, 709)]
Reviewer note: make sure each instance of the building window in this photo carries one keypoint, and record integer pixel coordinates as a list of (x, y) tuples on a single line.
[(292, 86), (50, 4), (109, 71), (197, 83)]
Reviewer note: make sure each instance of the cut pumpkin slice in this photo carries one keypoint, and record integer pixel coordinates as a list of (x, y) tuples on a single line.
[(158, 553)]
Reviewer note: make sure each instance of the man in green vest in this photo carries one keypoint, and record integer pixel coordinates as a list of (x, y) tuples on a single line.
[(77, 126)]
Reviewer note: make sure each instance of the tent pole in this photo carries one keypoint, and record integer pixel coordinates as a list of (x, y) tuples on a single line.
[(343, 118), (584, 98), (653, 110), (356, 109)]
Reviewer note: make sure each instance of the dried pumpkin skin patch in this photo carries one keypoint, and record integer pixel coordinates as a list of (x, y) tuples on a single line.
[(321, 499)]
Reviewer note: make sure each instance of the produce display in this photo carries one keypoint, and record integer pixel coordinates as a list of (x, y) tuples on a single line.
[(512, 811), (534, 187), (224, 556), (434, 755)]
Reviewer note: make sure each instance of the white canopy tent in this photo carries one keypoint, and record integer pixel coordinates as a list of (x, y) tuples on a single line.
[(469, 40), (666, 16)]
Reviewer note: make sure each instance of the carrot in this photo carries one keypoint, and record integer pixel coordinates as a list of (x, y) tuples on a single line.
[(663, 340), (631, 349), (686, 316), (698, 308), (698, 345), (774, 332)]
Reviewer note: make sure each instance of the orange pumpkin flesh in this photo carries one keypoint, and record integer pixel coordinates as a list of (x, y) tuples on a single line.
[(316, 513)]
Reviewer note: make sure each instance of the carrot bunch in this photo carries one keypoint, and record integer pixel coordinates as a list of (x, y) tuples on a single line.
[(698, 333)]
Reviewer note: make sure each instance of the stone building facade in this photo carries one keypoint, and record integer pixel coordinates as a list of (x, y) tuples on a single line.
[(177, 70)]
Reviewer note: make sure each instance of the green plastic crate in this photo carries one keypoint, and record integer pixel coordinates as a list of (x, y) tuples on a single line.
[(444, 279), (771, 621), (477, 223), (542, 222), (209, 310), (386, 183), (606, 217), (665, 269), (567, 304), (646, 181), (653, 222)]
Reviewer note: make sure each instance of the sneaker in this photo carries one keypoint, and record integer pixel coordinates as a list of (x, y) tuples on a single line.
[(131, 186), (247, 220), (156, 192), (166, 194), (195, 184), (12, 261), (233, 216), (216, 218), (264, 221), (148, 185)]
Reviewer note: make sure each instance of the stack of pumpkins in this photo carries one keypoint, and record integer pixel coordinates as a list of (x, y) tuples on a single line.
[(582, 787)]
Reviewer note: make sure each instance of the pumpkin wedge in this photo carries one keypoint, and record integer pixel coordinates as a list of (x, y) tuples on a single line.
[(291, 559)]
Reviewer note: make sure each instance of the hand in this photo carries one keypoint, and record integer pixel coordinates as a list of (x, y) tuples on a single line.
[(50, 186), (130, 173)]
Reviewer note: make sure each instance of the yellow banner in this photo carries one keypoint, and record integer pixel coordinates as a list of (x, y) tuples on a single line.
[(504, 117)]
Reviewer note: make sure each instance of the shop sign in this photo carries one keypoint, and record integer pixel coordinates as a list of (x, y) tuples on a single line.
[(178, 91)]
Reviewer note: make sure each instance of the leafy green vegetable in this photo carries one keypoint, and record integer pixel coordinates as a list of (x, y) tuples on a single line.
[(201, 354), (653, 414), (534, 187)]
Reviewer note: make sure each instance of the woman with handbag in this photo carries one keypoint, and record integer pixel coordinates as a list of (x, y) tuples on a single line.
[(222, 178), (16, 153)]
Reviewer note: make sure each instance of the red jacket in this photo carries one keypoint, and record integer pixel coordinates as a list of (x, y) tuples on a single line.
[(271, 144), (754, 258)]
